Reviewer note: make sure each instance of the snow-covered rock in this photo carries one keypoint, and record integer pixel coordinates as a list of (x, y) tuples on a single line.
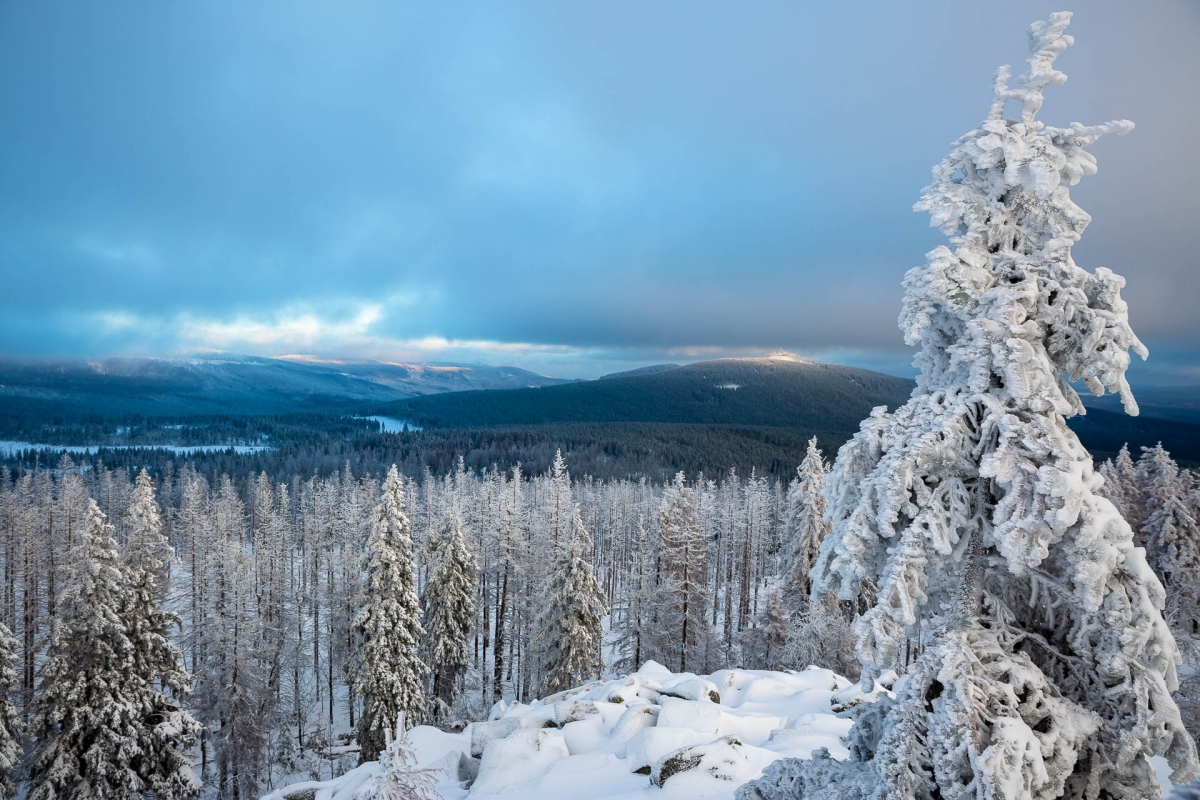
[(518, 759), (650, 734), (701, 770), (699, 717)]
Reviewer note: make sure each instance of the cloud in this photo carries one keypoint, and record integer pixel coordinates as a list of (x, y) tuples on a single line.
[(601, 183), (286, 330)]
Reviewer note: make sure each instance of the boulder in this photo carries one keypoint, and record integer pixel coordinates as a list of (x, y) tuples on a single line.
[(696, 689), (725, 760), (646, 747), (635, 720), (703, 717), (521, 758)]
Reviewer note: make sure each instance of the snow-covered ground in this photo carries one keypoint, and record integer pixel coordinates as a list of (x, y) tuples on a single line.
[(394, 425), (648, 735)]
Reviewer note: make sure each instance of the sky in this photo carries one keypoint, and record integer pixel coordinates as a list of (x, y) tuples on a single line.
[(574, 188)]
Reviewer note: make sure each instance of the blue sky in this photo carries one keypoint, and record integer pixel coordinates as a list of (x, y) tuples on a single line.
[(572, 188)]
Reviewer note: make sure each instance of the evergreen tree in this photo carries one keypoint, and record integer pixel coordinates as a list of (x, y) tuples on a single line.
[(88, 716), (10, 722), (571, 634), (1121, 487), (764, 645), (168, 731), (232, 694), (1114, 490), (638, 605), (1048, 666), (1155, 476), (389, 674), (683, 579), (449, 613), (560, 503), (806, 527), (1172, 536)]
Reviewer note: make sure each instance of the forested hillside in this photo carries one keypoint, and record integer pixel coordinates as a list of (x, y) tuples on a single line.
[(778, 392)]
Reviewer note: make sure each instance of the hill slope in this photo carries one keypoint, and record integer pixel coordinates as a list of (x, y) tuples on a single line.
[(231, 384), (825, 400), (731, 391)]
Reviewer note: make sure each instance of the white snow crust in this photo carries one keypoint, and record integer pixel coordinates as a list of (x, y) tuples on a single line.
[(651, 734)]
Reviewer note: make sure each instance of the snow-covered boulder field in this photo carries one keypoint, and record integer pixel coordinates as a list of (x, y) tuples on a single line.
[(654, 733)]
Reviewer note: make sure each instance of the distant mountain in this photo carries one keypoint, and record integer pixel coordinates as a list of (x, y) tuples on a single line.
[(732, 391), (1179, 403), (781, 391), (232, 384)]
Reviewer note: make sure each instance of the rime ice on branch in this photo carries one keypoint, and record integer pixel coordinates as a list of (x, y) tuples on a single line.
[(977, 513)]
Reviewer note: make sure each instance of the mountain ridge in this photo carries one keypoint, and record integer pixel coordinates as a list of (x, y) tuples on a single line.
[(828, 400), (230, 383)]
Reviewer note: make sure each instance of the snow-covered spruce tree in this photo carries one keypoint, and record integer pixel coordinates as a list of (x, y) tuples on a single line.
[(232, 693), (449, 613), (683, 577), (167, 730), (88, 716), (636, 610), (10, 721), (1172, 538), (1049, 667), (1114, 490), (1155, 471), (389, 674), (570, 633), (1127, 473), (806, 526), (1120, 486), (1168, 527)]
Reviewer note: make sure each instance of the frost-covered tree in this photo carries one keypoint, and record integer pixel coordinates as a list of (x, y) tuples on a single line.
[(636, 611), (1048, 666), (88, 716), (1172, 535), (560, 503), (819, 634), (389, 675), (449, 613), (400, 778), (1156, 477), (571, 634), (764, 646), (1172, 538), (233, 698), (10, 721), (806, 526), (1120, 487), (168, 730), (683, 579)]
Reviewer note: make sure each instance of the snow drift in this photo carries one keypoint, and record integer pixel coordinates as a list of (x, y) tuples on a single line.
[(653, 733)]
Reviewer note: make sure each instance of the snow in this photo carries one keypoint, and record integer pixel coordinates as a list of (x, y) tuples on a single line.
[(630, 738), (784, 355), (395, 425)]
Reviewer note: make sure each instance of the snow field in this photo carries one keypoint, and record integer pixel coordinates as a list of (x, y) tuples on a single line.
[(652, 734)]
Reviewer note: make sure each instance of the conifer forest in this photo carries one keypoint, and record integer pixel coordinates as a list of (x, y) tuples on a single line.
[(386, 410)]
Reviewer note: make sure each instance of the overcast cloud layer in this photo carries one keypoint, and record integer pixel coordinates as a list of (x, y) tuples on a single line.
[(570, 188)]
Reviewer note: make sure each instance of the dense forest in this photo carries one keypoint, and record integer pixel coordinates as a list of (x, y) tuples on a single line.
[(265, 577)]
